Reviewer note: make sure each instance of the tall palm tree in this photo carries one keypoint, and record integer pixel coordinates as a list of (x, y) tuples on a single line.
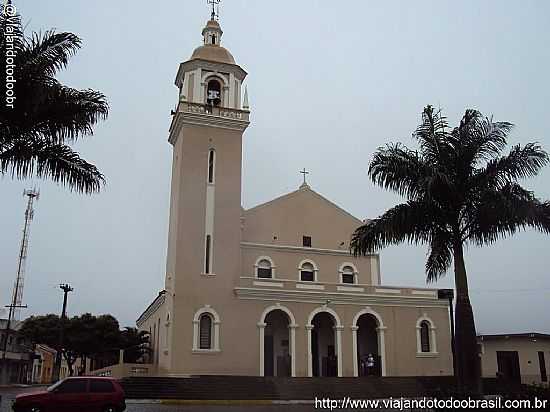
[(460, 189), (45, 116)]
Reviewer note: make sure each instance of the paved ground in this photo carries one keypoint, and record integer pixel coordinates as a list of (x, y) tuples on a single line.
[(9, 394)]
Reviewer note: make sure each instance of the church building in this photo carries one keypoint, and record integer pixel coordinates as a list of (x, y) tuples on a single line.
[(272, 290)]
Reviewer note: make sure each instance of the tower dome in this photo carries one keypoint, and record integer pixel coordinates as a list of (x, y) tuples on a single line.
[(212, 50)]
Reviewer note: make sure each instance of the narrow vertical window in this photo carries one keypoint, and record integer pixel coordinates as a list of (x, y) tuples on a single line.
[(205, 326), (542, 366), (425, 336), (211, 160), (207, 254)]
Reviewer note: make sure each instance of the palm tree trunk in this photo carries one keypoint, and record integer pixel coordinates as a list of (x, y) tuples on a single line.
[(468, 361)]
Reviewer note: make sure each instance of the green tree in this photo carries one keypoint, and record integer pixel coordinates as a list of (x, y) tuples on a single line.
[(460, 189), (46, 117), (43, 329), (86, 336)]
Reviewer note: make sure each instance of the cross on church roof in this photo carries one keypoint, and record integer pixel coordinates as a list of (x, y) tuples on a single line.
[(305, 173), (215, 9)]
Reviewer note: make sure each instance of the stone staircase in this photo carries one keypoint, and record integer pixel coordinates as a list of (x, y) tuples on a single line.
[(269, 388)]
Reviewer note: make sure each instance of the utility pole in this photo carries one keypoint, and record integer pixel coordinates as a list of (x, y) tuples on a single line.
[(17, 295), (66, 288)]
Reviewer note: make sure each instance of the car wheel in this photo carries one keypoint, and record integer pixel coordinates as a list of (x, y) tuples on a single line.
[(110, 409)]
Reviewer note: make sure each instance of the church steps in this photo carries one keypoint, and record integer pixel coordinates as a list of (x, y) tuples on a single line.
[(269, 388)]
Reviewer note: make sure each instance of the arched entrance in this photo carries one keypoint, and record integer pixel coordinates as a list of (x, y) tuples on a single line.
[(277, 330), (368, 356), (324, 333), (277, 344), (323, 345), (368, 344)]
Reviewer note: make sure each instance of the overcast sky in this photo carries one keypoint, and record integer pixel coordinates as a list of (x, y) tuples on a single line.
[(329, 82)]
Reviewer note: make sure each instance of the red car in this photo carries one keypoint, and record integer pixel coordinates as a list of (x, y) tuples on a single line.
[(82, 394)]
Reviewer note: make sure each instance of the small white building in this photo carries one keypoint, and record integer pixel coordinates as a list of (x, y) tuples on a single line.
[(519, 357)]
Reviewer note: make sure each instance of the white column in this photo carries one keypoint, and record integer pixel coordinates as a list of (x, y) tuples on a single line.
[(433, 345), (418, 340), (382, 348), (231, 90), (195, 334), (354, 330), (292, 329), (339, 348), (309, 355), (226, 96), (261, 329), (198, 92), (216, 335)]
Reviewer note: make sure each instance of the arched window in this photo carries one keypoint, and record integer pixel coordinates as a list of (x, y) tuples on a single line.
[(211, 165), (307, 272), (264, 269), (205, 327), (348, 275), (206, 330), (213, 93), (424, 336)]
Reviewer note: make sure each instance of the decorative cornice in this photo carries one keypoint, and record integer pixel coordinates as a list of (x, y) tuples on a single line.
[(200, 119), (336, 298), (194, 64), (300, 249)]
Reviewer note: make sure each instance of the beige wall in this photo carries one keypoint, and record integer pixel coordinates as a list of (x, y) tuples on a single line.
[(300, 213), (329, 264), (240, 349), (528, 356)]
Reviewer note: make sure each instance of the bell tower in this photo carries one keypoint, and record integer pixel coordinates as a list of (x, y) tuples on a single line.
[(203, 259)]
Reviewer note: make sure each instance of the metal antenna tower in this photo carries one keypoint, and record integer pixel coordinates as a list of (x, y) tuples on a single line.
[(17, 296)]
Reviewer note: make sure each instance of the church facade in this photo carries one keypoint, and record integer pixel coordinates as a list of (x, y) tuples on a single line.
[(272, 290)]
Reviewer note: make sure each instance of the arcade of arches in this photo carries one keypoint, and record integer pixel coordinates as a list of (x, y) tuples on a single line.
[(278, 343)]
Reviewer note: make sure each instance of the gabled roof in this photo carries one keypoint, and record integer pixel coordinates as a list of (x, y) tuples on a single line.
[(301, 189)]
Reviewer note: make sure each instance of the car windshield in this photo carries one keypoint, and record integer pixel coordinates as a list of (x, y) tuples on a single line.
[(55, 385)]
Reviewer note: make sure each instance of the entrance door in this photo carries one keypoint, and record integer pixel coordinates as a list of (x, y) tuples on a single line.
[(269, 369), (368, 358), (508, 365), (315, 352), (323, 345)]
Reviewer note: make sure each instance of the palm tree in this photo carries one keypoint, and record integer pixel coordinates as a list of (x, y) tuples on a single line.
[(45, 116), (460, 189), (136, 344)]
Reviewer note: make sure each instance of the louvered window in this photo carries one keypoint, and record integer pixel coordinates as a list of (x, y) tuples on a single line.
[(425, 336), (205, 332), (307, 273), (264, 269)]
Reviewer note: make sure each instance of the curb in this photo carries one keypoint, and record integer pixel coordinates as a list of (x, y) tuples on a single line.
[(223, 402)]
